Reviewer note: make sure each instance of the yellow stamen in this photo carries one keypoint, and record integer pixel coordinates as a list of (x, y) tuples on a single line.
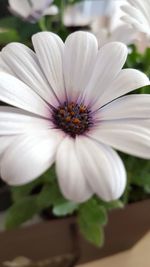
[(76, 121)]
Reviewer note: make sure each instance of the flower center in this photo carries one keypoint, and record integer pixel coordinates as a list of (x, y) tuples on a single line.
[(74, 119)]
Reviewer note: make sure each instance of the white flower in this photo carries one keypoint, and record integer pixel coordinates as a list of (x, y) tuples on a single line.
[(111, 28), (137, 15), (123, 33), (67, 110), (32, 10), (83, 13)]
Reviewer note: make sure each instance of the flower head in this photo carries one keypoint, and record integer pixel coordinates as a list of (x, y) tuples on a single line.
[(112, 28), (32, 10), (69, 109), (137, 15)]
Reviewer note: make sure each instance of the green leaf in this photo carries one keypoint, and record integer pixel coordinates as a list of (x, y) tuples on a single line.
[(73, 1), (138, 178), (20, 212), (45, 198), (24, 29), (92, 232), (49, 176), (9, 35), (91, 217), (65, 208), (145, 90), (115, 204), (9, 22), (50, 195), (93, 212), (142, 180), (138, 171), (58, 2), (19, 192)]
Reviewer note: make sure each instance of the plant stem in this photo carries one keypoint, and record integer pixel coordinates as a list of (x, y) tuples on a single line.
[(62, 8), (42, 24)]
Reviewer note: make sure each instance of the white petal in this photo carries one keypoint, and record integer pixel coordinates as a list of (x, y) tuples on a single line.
[(52, 10), (129, 136), (14, 121), (72, 182), (127, 107), (5, 142), (123, 33), (49, 49), (23, 8), (28, 157), (110, 60), (41, 4), (16, 93), (103, 168), (80, 53), (143, 6), (4, 67), (126, 81), (24, 64), (125, 125), (135, 24), (134, 13)]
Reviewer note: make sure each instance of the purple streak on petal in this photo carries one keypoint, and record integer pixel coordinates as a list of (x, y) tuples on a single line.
[(35, 15)]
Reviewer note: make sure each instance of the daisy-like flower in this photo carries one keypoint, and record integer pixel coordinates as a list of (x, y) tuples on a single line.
[(112, 28), (137, 14), (32, 10), (68, 110)]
